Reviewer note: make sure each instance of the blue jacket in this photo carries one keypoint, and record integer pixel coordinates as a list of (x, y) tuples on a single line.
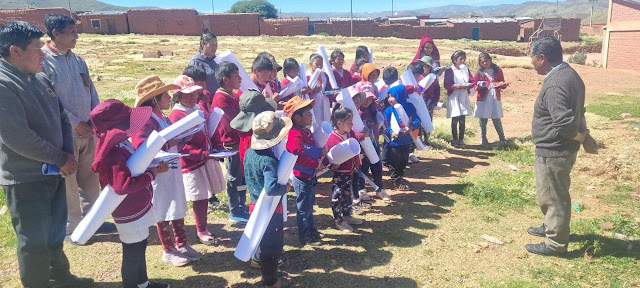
[(400, 94)]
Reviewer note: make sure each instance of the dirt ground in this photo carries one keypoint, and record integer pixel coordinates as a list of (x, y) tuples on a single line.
[(428, 237)]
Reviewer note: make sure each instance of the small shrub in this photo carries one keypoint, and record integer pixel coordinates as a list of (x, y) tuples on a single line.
[(323, 34), (578, 58)]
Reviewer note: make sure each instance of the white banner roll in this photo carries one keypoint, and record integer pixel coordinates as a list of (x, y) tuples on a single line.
[(327, 67), (106, 203), (302, 72), (370, 55), (214, 120), (405, 120), (427, 81), (184, 124), (246, 83), (314, 79), (408, 79), (345, 99), (322, 133), (139, 162), (280, 148), (285, 167), (369, 150), (344, 151), (294, 86), (284, 207), (379, 120), (421, 109)]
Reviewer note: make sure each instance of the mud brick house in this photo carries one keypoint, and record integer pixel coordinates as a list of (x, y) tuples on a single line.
[(108, 22), (284, 26), (164, 21), (232, 24), (569, 29), (34, 16), (620, 46)]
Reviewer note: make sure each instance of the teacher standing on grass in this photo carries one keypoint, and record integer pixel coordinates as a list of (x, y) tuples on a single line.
[(34, 130), (559, 128)]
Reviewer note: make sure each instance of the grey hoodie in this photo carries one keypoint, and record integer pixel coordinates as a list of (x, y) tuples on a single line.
[(34, 129)]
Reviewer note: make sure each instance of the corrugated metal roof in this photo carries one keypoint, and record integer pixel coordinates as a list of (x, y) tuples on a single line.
[(403, 18), (103, 13), (481, 20), (349, 19)]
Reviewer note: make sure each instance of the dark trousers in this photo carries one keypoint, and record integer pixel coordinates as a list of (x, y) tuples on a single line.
[(341, 197), (134, 264), (39, 217), (306, 198), (497, 123), (397, 159), (236, 187), (355, 185), (271, 249), (457, 123)]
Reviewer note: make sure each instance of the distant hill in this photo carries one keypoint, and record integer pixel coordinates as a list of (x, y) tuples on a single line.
[(567, 9), (76, 5)]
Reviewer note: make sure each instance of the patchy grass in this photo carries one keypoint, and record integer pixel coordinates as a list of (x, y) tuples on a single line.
[(7, 235), (612, 106), (501, 189), (516, 152)]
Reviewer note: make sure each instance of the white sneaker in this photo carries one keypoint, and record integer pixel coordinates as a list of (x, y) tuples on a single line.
[(356, 210), (413, 158), (383, 195), (343, 226), (189, 252), (363, 195), (175, 258), (353, 221)]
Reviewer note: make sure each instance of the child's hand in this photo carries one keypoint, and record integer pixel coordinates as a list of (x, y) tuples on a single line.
[(458, 86), (305, 90), (276, 96), (163, 167), (316, 90), (366, 132), (394, 135), (406, 129)]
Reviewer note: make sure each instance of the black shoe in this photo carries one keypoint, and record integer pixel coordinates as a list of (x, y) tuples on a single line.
[(71, 282), (543, 249), (316, 234), (158, 285), (538, 231), (106, 228), (313, 241)]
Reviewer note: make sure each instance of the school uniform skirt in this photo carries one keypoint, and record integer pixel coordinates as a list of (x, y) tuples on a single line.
[(202, 183), (169, 201)]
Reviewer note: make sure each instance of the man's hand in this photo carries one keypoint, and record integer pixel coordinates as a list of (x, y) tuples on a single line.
[(84, 129), (70, 167), (581, 136), (590, 145)]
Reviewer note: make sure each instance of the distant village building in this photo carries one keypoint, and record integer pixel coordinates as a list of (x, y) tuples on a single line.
[(107, 22), (620, 45)]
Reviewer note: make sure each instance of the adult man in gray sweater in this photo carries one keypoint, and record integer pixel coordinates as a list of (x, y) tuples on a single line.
[(559, 128), (34, 130)]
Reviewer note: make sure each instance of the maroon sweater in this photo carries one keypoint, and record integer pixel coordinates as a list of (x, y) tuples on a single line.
[(226, 136), (300, 142), (113, 170), (343, 81), (348, 166), (142, 135), (197, 147), (498, 76)]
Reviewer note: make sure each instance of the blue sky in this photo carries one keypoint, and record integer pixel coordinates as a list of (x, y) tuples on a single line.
[(288, 6)]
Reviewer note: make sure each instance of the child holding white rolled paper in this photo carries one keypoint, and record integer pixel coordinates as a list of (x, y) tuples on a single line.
[(356, 75), (358, 204), (200, 174), (319, 110), (300, 142), (169, 201), (291, 69), (489, 82), (342, 121), (343, 78), (261, 171), (458, 82), (261, 74), (114, 122), (400, 141)]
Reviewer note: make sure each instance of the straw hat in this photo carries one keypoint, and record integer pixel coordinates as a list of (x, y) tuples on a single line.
[(269, 129), (296, 103), (150, 87)]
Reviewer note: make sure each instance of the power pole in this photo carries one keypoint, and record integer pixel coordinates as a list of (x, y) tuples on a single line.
[(70, 7), (213, 10), (591, 16), (391, 8), (351, 18)]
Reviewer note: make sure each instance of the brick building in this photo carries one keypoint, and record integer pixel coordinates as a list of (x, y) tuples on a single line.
[(109, 22), (284, 26), (569, 31), (164, 21), (232, 24), (621, 35), (34, 16)]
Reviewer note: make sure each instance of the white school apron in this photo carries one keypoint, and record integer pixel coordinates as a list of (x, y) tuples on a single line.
[(458, 103), (491, 107)]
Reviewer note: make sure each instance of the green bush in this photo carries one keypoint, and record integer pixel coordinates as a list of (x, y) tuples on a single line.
[(579, 58)]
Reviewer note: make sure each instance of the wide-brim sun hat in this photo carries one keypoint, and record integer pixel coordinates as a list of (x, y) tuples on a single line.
[(427, 60), (150, 87), (296, 103), (252, 103), (269, 129)]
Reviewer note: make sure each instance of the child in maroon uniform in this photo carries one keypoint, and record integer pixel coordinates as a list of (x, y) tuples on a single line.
[(343, 77), (113, 124)]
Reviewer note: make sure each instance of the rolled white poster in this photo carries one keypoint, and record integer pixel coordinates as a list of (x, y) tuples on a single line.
[(345, 99), (423, 113), (214, 120), (327, 67), (370, 150), (370, 55), (408, 79), (379, 120), (405, 120), (184, 124), (106, 203), (294, 86), (302, 72), (322, 133), (344, 151), (280, 148), (427, 81), (314, 79), (246, 83), (263, 211), (284, 207), (139, 162), (368, 180)]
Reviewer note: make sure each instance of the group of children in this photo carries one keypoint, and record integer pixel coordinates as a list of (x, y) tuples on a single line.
[(251, 125)]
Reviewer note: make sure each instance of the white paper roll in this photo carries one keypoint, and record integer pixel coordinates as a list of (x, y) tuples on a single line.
[(368, 180), (285, 167), (427, 81), (314, 79), (302, 72), (370, 55), (246, 83), (327, 67), (421, 109), (369, 150), (256, 226), (345, 99), (280, 148), (379, 120), (405, 120), (294, 86), (184, 124), (139, 162), (106, 203), (214, 120), (284, 207), (408, 79), (322, 133), (344, 151)]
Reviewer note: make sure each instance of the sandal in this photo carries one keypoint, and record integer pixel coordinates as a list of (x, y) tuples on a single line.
[(207, 239)]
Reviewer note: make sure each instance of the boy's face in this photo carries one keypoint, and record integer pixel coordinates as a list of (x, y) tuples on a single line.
[(202, 84), (235, 80), (427, 68), (367, 102), (305, 119), (338, 62), (165, 101), (373, 76), (392, 100), (357, 100), (262, 76), (316, 64)]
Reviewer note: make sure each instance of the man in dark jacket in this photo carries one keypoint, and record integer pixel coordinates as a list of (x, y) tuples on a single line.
[(34, 130), (558, 129)]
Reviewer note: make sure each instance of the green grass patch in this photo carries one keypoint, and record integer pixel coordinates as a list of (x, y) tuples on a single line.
[(517, 284), (501, 189), (516, 152), (621, 224), (7, 234), (612, 107)]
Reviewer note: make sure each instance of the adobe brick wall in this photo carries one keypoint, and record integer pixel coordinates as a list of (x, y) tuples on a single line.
[(570, 30), (33, 16), (164, 21), (231, 24), (121, 24), (284, 26), (622, 49), (488, 31), (624, 11)]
